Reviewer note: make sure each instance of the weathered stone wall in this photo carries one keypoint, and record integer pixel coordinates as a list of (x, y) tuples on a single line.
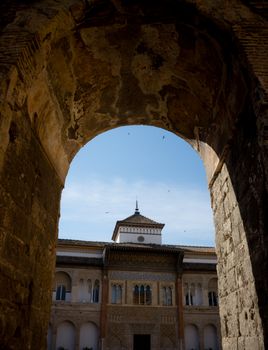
[(72, 69), (241, 325), (30, 192), (239, 210)]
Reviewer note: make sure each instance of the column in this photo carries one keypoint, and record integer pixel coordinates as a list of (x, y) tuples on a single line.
[(179, 296), (104, 301), (205, 293), (179, 299)]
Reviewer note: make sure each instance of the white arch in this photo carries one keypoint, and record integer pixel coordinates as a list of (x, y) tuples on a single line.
[(89, 336), (62, 286), (49, 337), (191, 337), (65, 336), (62, 277), (210, 337)]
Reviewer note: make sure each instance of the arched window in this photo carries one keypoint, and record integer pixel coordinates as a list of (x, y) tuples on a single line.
[(148, 295), (96, 291), (213, 292), (116, 294), (212, 299), (61, 292), (62, 286), (167, 296), (188, 294), (142, 295), (119, 294), (136, 293)]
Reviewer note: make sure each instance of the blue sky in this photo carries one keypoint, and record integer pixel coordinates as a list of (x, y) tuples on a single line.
[(151, 164)]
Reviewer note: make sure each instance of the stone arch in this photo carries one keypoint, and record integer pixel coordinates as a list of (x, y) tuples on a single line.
[(62, 286), (210, 337), (65, 335), (62, 277), (89, 336), (191, 337), (189, 67)]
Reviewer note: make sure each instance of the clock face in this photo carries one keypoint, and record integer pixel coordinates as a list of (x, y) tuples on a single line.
[(141, 239)]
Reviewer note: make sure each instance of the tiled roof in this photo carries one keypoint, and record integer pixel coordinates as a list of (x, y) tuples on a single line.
[(197, 249), (190, 249), (144, 247), (76, 242), (138, 219)]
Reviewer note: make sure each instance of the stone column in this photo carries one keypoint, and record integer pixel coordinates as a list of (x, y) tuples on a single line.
[(103, 313), (77, 337), (180, 312), (205, 295), (179, 297), (201, 337)]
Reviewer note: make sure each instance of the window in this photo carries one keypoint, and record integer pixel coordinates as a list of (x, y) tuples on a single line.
[(61, 292), (189, 299), (116, 294), (167, 296), (62, 286), (199, 294), (96, 291), (136, 294), (142, 295), (188, 293), (212, 299), (148, 295), (213, 292)]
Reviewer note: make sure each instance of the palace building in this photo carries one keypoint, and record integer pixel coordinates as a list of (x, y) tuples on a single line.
[(135, 293)]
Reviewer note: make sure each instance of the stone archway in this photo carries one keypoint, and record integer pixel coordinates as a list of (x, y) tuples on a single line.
[(73, 69)]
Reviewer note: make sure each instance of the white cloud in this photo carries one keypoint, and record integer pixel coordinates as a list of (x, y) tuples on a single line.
[(90, 210)]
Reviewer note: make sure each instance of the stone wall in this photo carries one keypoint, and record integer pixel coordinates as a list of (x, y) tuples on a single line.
[(30, 192)]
